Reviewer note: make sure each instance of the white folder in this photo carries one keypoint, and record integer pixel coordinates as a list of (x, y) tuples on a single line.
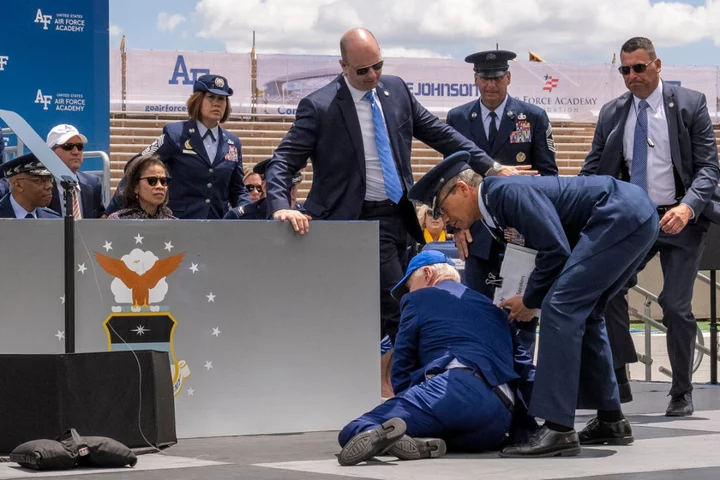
[(517, 265)]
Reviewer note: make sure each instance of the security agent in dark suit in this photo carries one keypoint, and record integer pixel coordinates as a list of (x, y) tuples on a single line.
[(31, 187), (591, 234), (358, 131), (203, 159), (68, 144), (512, 132), (660, 137), (452, 369), (258, 210)]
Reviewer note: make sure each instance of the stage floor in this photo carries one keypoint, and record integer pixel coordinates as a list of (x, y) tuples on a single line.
[(664, 448)]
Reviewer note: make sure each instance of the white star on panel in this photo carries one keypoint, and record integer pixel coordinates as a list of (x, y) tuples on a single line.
[(216, 331), (190, 392), (60, 335), (138, 239), (211, 297), (82, 268), (208, 365), (140, 330), (194, 267), (169, 246), (107, 246), (62, 299)]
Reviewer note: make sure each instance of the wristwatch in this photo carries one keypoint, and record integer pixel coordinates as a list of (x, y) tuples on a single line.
[(494, 170)]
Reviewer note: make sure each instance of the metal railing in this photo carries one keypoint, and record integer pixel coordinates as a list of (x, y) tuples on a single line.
[(650, 323)]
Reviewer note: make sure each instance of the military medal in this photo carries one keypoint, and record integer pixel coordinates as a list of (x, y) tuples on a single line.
[(232, 155), (520, 157)]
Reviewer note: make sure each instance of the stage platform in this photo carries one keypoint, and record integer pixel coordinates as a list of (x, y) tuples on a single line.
[(664, 449)]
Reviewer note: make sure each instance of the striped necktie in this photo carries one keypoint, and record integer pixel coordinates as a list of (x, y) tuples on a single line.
[(77, 214), (393, 187)]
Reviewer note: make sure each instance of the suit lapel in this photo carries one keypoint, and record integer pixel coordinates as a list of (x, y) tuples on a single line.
[(507, 125), (222, 148), (55, 202), (477, 128), (195, 141), (86, 198), (349, 113), (671, 113)]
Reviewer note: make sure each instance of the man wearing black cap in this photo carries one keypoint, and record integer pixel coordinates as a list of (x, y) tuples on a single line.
[(358, 130), (31, 187), (512, 132), (590, 233), (203, 159), (258, 210)]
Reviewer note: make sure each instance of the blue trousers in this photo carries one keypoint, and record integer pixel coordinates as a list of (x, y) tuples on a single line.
[(455, 406), (575, 367)]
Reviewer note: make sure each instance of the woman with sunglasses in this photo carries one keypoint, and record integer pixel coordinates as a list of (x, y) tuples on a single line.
[(144, 193), (203, 158), (255, 185)]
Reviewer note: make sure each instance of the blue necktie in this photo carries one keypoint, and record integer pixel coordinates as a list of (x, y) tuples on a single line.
[(638, 170), (393, 187), (29, 215)]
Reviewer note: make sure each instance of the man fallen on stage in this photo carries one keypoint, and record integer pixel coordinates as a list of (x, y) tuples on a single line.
[(452, 372)]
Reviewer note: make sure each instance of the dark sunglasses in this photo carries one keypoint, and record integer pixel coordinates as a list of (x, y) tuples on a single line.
[(638, 68), (69, 146), (254, 187), (364, 70), (152, 181)]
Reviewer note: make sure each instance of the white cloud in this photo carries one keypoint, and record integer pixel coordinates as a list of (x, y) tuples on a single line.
[(115, 31), (167, 22), (555, 29)]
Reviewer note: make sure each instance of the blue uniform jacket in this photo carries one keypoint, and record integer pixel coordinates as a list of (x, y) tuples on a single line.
[(91, 196), (693, 148), (201, 187), (446, 322), (6, 210), (553, 212), (253, 211), (538, 150), (327, 129)]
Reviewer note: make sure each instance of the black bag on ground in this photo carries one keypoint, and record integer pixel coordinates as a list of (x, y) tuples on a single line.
[(45, 455)]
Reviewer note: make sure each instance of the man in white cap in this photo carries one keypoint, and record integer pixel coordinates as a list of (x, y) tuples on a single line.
[(68, 144)]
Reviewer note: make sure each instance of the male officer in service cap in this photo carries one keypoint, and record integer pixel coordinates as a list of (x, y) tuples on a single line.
[(513, 133), (591, 233), (31, 187)]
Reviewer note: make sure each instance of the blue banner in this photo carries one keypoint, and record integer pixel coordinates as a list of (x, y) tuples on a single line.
[(54, 67)]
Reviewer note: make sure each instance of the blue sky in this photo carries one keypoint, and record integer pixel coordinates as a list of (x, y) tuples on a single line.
[(559, 30)]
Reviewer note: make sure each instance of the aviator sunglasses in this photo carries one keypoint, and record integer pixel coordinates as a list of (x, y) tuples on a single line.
[(637, 68), (152, 181), (254, 187), (364, 70), (69, 146)]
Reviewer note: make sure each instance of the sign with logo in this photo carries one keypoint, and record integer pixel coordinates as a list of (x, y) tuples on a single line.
[(54, 67)]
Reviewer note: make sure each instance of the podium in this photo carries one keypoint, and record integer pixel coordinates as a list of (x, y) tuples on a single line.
[(98, 394), (711, 261)]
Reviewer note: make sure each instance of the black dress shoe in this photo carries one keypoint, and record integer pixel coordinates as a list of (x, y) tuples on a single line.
[(680, 406), (625, 392), (545, 443), (409, 448), (598, 432), (366, 445)]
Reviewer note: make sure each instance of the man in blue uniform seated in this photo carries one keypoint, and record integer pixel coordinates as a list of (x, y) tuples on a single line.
[(258, 210), (31, 187), (452, 365), (590, 234)]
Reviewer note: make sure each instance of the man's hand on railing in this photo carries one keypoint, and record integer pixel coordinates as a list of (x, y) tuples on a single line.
[(299, 221)]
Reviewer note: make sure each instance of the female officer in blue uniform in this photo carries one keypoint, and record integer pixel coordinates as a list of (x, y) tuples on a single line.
[(203, 159)]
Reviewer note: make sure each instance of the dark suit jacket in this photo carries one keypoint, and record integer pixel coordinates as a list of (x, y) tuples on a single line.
[(91, 196), (450, 321), (552, 212), (327, 130), (6, 210), (692, 144), (538, 152)]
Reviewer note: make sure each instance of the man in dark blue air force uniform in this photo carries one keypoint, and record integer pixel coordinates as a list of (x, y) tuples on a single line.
[(513, 133), (590, 233)]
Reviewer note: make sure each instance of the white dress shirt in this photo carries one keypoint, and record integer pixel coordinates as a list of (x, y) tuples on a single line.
[(20, 212), (485, 113), (660, 178), (61, 196), (374, 180), (210, 142)]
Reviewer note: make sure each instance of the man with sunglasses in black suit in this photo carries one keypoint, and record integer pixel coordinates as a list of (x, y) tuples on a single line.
[(660, 136), (358, 130), (68, 144)]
